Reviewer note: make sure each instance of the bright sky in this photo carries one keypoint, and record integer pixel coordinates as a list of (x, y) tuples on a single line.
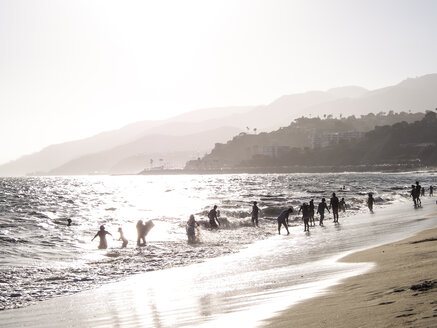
[(71, 69)]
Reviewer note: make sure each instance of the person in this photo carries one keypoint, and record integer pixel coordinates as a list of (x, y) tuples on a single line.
[(122, 237), (311, 212), (143, 230), (255, 212), (334, 205), (370, 201), (139, 227), (431, 191), (102, 235), (415, 193), (321, 211), (192, 226), (283, 219), (213, 220), (342, 205), (305, 208), (423, 191), (69, 222)]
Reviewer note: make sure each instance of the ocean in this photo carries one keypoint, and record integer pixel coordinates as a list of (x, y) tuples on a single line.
[(42, 258)]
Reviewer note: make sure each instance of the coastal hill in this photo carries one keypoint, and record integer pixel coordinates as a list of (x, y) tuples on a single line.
[(415, 95), (391, 139)]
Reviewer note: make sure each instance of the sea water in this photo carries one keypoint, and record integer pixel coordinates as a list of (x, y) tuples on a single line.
[(41, 257)]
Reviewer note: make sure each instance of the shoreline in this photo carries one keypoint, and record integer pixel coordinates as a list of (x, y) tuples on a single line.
[(383, 168), (127, 300), (400, 290)]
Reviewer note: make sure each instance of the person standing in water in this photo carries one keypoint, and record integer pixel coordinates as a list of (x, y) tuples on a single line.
[(321, 211), (305, 216), (370, 201), (334, 203), (431, 191), (342, 205), (192, 226), (122, 237), (311, 212), (255, 212), (102, 235), (283, 219), (213, 220)]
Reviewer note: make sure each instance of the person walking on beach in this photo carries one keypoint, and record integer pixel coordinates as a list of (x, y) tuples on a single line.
[(311, 212), (431, 191), (123, 238), (305, 216), (283, 219), (418, 193), (321, 211), (192, 226), (342, 205), (334, 203), (370, 201), (213, 220), (102, 235), (255, 212), (422, 192)]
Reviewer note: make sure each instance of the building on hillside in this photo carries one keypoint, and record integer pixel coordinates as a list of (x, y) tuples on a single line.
[(269, 151), (326, 139)]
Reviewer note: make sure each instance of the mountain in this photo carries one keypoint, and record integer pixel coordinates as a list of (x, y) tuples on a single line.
[(414, 94), (135, 156), (57, 155)]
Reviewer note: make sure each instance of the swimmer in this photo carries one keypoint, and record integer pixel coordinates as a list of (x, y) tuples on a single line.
[(124, 244)]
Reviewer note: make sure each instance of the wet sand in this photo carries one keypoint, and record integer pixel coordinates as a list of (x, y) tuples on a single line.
[(400, 291)]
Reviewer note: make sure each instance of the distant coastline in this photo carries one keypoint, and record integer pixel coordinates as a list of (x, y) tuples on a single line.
[(296, 169)]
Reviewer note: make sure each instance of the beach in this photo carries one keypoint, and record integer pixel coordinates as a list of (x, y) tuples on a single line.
[(370, 288), (400, 291)]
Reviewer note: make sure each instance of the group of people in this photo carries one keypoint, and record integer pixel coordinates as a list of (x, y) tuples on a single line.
[(417, 191), (307, 210), (142, 231)]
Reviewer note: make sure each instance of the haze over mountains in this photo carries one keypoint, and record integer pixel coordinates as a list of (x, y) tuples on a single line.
[(174, 141)]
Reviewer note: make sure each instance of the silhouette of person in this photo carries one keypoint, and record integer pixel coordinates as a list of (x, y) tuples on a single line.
[(422, 191), (124, 244), (370, 201), (431, 191), (413, 194), (283, 219), (342, 205), (321, 211), (334, 203), (255, 212), (305, 215), (213, 220), (143, 230), (192, 226), (102, 235), (418, 193), (311, 212), (69, 222)]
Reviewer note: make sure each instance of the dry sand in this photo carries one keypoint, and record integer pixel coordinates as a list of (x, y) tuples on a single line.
[(400, 291)]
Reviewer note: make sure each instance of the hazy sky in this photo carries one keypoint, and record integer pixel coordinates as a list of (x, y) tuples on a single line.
[(71, 69)]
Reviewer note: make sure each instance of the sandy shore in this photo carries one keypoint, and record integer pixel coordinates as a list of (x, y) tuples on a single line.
[(401, 291)]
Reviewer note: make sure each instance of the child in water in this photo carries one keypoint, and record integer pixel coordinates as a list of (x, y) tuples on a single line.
[(192, 226), (102, 235), (122, 237)]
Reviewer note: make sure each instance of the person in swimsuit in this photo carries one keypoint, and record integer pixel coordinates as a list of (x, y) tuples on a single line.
[(370, 201), (334, 203), (321, 211), (255, 212), (102, 235), (283, 219), (213, 220), (305, 216), (192, 226), (122, 237)]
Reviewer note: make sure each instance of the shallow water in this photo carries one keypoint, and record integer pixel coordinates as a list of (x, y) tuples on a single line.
[(41, 257)]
